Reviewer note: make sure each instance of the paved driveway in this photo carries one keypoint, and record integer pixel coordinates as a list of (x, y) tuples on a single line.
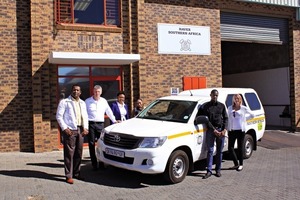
[(271, 173)]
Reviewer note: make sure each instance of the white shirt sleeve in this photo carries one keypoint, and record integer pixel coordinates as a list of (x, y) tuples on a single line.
[(110, 113)]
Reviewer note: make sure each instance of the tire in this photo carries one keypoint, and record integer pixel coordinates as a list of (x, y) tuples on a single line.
[(248, 146), (177, 167)]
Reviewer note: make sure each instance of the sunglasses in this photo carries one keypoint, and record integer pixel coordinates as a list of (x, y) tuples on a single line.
[(233, 113)]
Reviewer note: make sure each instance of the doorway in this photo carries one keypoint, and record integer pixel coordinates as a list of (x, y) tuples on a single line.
[(255, 54), (108, 77)]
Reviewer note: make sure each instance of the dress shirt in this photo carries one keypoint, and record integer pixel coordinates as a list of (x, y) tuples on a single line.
[(66, 115), (241, 118), (97, 108), (123, 111), (77, 111), (216, 113)]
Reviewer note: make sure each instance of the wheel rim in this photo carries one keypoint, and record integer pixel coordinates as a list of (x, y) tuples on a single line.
[(178, 167), (248, 148)]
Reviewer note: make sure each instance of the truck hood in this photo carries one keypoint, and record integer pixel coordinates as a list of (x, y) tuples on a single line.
[(145, 127)]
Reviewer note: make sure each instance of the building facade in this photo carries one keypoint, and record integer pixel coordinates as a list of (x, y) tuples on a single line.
[(46, 46)]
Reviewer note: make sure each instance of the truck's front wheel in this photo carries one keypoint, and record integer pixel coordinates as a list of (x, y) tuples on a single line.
[(177, 167)]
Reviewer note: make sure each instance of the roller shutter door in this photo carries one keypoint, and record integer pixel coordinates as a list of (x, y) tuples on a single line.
[(253, 28)]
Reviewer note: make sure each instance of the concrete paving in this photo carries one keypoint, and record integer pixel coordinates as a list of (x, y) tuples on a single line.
[(271, 173)]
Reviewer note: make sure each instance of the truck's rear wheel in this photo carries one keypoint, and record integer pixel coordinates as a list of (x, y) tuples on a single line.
[(248, 146), (177, 167)]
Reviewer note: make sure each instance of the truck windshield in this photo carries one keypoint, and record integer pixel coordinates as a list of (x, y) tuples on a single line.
[(169, 110)]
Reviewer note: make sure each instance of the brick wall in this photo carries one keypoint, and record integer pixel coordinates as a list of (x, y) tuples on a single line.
[(159, 72), (15, 71), (50, 37), (295, 74)]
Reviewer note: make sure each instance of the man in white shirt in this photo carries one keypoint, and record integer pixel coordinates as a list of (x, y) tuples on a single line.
[(97, 106), (72, 118)]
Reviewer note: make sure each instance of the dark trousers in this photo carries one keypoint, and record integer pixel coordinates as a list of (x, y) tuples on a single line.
[(211, 138), (95, 129), (238, 135), (73, 146)]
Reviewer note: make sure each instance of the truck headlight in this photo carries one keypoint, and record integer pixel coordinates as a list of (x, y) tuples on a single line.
[(153, 142)]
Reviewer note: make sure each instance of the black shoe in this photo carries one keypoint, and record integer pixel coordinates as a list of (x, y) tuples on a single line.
[(218, 174), (207, 175)]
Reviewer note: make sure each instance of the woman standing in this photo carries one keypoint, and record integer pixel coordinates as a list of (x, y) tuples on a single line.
[(119, 108), (236, 127)]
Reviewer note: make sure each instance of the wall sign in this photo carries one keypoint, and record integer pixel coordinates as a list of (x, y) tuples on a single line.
[(183, 39), (174, 91)]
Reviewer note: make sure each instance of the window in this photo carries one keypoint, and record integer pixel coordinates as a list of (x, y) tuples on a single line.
[(253, 101), (109, 77), (96, 12), (169, 110)]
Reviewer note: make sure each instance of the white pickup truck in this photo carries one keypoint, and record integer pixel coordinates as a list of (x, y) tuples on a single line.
[(165, 137)]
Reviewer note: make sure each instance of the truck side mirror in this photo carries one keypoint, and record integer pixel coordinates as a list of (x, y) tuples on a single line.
[(201, 119)]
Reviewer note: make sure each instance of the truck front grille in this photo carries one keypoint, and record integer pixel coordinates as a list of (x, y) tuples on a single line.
[(122, 141)]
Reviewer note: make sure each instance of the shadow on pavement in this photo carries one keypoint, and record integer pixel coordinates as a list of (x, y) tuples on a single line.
[(111, 176), (51, 165), (32, 174)]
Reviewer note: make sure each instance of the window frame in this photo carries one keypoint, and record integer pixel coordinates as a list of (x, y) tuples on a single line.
[(70, 5)]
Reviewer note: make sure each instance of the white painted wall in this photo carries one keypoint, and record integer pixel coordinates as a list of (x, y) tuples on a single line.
[(273, 88)]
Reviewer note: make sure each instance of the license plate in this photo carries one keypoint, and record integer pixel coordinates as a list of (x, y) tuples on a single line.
[(114, 152)]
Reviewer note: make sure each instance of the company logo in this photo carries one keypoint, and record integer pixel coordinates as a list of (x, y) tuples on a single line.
[(185, 45), (117, 138)]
